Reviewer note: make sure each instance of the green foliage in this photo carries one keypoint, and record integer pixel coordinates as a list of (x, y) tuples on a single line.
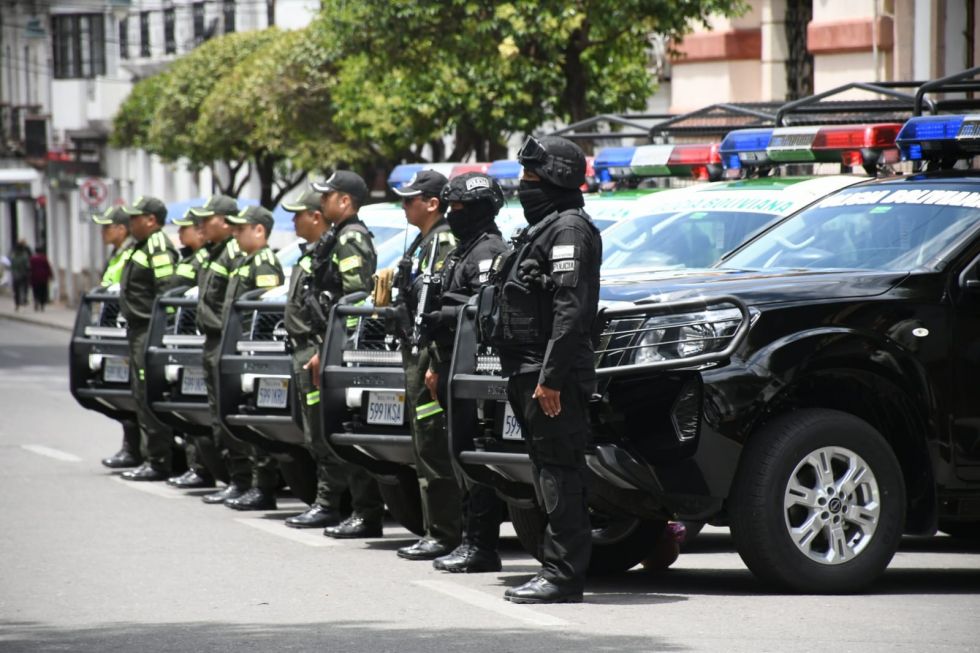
[(415, 71), (190, 82), (131, 124)]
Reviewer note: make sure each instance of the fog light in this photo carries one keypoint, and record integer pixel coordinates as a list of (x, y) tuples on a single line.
[(171, 373), (95, 362)]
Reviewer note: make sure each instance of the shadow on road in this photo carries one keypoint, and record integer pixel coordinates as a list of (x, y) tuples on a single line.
[(350, 637)]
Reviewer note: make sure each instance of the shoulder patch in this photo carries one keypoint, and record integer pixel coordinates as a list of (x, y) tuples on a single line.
[(266, 280), (566, 265), (349, 263), (484, 265), (559, 252)]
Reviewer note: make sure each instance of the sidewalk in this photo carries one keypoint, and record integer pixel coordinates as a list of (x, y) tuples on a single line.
[(56, 316)]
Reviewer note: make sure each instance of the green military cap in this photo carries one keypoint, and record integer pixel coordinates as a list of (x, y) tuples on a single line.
[(217, 204), (147, 205), (112, 215), (254, 215), (189, 219), (309, 200)]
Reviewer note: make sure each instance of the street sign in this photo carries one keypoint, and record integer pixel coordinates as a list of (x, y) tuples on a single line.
[(94, 191)]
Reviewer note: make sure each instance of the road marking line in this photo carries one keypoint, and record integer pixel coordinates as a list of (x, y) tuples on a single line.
[(153, 488), (41, 450), (279, 529), (492, 603)]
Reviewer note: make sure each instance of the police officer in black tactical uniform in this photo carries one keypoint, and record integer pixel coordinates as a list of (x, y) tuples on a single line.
[(474, 199), (548, 294), (344, 262), (415, 280)]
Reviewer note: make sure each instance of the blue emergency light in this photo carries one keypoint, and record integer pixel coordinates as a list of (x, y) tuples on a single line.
[(614, 162), (402, 173), (925, 136), (745, 148), (507, 172)]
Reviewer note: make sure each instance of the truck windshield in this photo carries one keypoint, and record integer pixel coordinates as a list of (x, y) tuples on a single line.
[(686, 239), (889, 230)]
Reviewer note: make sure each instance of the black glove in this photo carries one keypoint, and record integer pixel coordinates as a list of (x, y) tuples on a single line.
[(530, 273), (432, 320)]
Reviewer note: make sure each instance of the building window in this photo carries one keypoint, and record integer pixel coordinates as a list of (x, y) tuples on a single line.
[(270, 13), (228, 9), (198, 11), (124, 38), (79, 45), (169, 42), (144, 33)]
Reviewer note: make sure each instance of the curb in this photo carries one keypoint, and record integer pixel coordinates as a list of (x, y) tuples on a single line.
[(28, 319)]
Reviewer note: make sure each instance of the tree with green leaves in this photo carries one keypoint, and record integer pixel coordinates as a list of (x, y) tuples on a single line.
[(161, 112), (413, 72)]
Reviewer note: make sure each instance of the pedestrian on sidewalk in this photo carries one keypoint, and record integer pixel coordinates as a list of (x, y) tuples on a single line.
[(20, 271), (41, 275)]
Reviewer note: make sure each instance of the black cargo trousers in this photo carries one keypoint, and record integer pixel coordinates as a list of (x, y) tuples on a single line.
[(556, 446)]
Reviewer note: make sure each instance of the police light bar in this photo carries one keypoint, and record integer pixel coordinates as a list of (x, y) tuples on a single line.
[(462, 168), (507, 172), (745, 148), (676, 160), (923, 137), (613, 163), (848, 144), (402, 173)]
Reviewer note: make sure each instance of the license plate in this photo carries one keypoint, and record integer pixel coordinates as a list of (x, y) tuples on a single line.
[(511, 429), (386, 408), (116, 370), (273, 393), (192, 382)]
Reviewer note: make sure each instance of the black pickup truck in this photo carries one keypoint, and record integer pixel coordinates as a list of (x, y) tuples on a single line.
[(816, 390), (99, 356)]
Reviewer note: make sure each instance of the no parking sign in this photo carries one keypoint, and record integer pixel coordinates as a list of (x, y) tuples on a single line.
[(94, 192)]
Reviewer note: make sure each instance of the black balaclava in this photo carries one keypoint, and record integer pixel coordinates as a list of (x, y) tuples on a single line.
[(472, 220), (541, 198)]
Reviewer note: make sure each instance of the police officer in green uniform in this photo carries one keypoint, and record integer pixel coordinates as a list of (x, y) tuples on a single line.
[(344, 262), (260, 269), (115, 233), (423, 260), (150, 271), (224, 255), (193, 257), (331, 473)]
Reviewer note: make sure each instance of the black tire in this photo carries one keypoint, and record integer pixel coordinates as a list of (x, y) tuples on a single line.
[(961, 529), (762, 527), (617, 544), (404, 502)]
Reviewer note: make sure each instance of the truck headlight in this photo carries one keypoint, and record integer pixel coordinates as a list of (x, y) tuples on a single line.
[(685, 335)]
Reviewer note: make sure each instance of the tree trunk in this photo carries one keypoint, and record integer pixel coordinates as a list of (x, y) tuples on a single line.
[(576, 81)]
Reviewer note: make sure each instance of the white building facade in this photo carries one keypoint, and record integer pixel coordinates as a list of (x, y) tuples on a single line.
[(65, 67)]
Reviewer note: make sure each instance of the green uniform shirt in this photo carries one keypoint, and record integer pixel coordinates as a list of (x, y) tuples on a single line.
[(353, 259), (213, 282), (296, 320), (258, 270), (418, 254), (150, 271), (112, 273), (189, 268)]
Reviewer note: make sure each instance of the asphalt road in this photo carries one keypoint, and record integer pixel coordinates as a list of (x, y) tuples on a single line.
[(91, 563)]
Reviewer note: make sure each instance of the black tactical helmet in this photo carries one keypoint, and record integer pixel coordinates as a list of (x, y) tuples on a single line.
[(473, 187), (554, 159)]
